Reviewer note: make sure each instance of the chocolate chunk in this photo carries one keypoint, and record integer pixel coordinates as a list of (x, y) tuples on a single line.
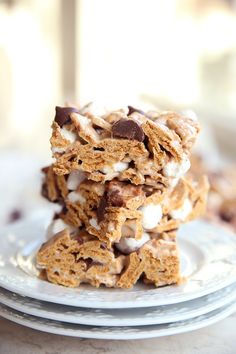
[(110, 198), (115, 199), (15, 215), (129, 129), (228, 214), (44, 191), (45, 169), (102, 208), (63, 115), (79, 239), (132, 110)]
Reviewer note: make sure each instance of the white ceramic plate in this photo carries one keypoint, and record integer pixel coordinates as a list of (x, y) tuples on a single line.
[(208, 255), (124, 333), (120, 317)]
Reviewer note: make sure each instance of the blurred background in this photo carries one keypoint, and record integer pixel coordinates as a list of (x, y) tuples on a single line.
[(171, 53), (174, 54)]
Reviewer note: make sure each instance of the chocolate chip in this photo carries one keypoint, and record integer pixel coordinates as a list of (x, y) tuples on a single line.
[(79, 239), (15, 215), (102, 208), (227, 215), (44, 191), (115, 199), (45, 169), (63, 115), (103, 246), (129, 129), (132, 110)]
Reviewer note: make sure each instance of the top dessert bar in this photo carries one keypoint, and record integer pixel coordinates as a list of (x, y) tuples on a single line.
[(128, 144)]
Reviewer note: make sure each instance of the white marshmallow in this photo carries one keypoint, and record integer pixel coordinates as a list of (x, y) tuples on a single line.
[(94, 108), (82, 120), (173, 182), (152, 215), (130, 244), (68, 135), (55, 227), (190, 114), (93, 222), (176, 169), (111, 227), (74, 179), (56, 149), (120, 166), (116, 167), (76, 197), (107, 170), (183, 211)]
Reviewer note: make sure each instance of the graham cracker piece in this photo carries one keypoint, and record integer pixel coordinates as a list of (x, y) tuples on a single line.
[(161, 262), (84, 128), (99, 275), (132, 273), (160, 136), (198, 196), (187, 129), (166, 224), (54, 187), (61, 242), (65, 274), (132, 175), (57, 257), (62, 186), (175, 198), (73, 215), (96, 251), (110, 229), (58, 142), (156, 197), (93, 157)]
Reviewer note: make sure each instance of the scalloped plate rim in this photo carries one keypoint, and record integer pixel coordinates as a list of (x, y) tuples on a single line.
[(117, 333)]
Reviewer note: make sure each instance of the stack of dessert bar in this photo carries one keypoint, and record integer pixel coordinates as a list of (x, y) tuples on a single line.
[(119, 178)]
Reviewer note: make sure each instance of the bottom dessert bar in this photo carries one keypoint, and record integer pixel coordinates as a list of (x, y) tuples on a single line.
[(71, 259)]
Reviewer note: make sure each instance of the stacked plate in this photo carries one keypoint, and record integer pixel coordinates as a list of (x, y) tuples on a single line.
[(208, 256)]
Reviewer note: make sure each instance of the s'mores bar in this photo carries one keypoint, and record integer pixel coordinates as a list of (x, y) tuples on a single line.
[(127, 144), (115, 210), (119, 179)]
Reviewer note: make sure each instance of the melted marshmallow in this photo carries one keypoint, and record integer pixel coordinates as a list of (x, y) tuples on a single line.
[(182, 212), (55, 227), (68, 135), (152, 215), (82, 120), (94, 108), (120, 166), (93, 222), (130, 244), (107, 170), (190, 114), (176, 169), (76, 197), (116, 167), (56, 149), (74, 179)]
